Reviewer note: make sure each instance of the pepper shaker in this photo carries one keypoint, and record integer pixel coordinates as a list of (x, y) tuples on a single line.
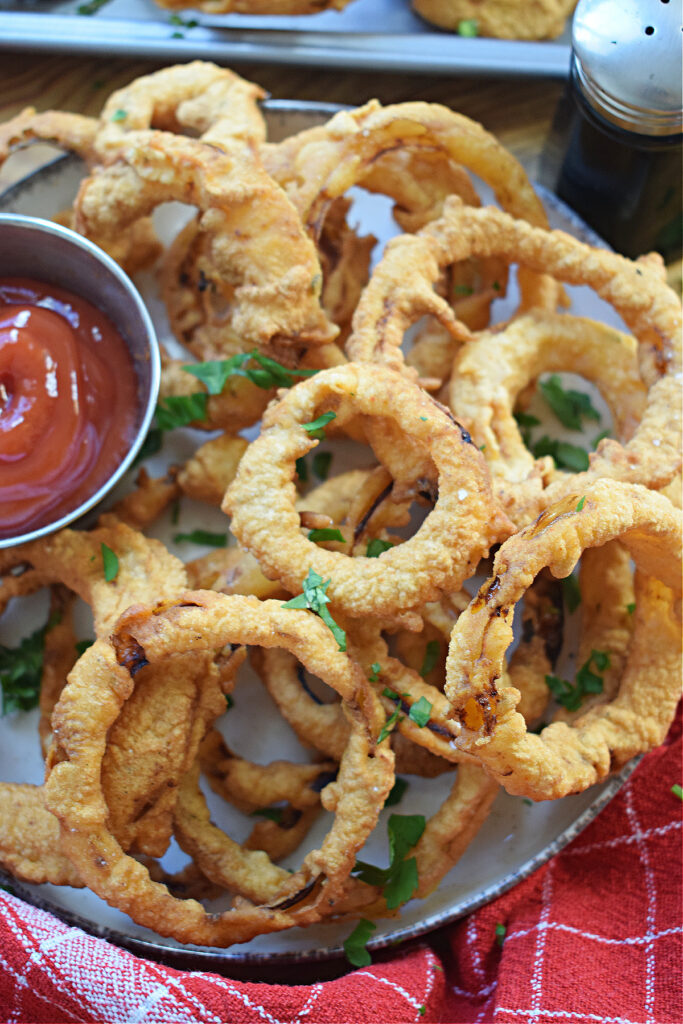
[(614, 152)]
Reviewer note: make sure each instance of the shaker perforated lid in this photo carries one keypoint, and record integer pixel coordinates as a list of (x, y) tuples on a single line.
[(627, 59)]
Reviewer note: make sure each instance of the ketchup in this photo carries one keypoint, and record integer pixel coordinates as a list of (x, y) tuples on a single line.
[(68, 403)]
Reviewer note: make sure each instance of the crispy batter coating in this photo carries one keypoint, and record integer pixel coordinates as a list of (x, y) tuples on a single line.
[(455, 535), (491, 372), (567, 758), (503, 19)]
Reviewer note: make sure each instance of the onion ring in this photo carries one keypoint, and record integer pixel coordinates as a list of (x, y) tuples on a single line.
[(566, 759)]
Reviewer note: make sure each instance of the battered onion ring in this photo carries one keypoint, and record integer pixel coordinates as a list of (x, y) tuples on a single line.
[(141, 793), (606, 584), (450, 542), (566, 759), (635, 290), (203, 622), (256, 236), (490, 373), (197, 98), (68, 131), (503, 19)]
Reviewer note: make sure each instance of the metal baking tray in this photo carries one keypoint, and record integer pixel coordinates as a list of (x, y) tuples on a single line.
[(381, 35)]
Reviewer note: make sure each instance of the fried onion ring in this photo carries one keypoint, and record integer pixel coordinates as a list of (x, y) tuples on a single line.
[(566, 759), (443, 552)]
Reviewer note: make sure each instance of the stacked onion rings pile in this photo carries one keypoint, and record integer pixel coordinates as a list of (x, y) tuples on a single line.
[(329, 582)]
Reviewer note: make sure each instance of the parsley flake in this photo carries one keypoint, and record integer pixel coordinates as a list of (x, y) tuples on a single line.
[(321, 464), (396, 793), (630, 608), (314, 596), (316, 428), (376, 547), (571, 696), (571, 593), (92, 7), (420, 712), (500, 933), (302, 469), (213, 540), (468, 28), (181, 410), (399, 881), (119, 115), (271, 813), (431, 657), (582, 502), (355, 945), (267, 374), (389, 725), (570, 407), (110, 563), (375, 670), (565, 455), (150, 446), (83, 645), (675, 789), (327, 533), (21, 669)]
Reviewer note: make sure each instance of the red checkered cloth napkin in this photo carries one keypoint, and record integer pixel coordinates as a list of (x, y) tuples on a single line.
[(593, 936)]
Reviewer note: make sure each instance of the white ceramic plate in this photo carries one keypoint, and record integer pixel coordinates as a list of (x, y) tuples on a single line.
[(516, 838)]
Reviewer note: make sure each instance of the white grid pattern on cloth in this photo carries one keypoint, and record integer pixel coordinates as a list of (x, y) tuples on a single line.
[(639, 837), (608, 844), (567, 1015), (542, 927), (651, 917)]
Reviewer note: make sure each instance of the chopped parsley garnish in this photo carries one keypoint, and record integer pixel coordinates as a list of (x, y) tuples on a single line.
[(571, 696), (581, 503), (302, 469), (92, 7), (271, 813), (420, 712), (571, 592), (175, 19), (675, 789), (600, 437), (375, 670), (321, 464), (110, 563), (376, 547), (389, 725), (327, 533), (396, 793), (180, 410), (570, 407), (175, 511), (316, 428), (422, 1010), (566, 456), (83, 645), (21, 668), (355, 945), (314, 597), (431, 657), (267, 374), (229, 702), (500, 933), (630, 608), (119, 115), (525, 421), (527, 801), (399, 881), (468, 28), (213, 540)]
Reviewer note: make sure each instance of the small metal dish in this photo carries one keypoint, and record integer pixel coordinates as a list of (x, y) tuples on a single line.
[(39, 249)]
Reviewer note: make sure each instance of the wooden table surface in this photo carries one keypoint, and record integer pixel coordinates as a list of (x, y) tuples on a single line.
[(517, 110)]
